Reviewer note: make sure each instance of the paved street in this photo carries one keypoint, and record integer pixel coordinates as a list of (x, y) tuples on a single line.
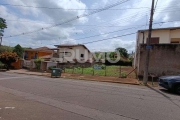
[(26, 97)]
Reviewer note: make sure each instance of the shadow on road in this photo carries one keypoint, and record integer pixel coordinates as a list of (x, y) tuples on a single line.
[(164, 95), (168, 92)]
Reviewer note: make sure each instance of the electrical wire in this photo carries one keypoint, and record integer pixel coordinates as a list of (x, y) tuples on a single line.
[(81, 16), (110, 38), (42, 7)]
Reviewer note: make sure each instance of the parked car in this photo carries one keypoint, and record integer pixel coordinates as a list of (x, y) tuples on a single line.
[(171, 83)]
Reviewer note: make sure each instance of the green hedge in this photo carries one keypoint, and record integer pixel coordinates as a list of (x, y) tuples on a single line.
[(120, 62)]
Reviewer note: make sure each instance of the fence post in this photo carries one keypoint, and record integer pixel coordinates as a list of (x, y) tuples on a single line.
[(119, 71), (105, 70)]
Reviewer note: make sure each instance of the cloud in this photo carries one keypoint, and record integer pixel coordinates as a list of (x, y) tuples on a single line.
[(35, 19), (128, 44), (30, 19)]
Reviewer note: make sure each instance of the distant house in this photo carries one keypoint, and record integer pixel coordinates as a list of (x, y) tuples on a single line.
[(164, 52), (71, 53), (42, 52)]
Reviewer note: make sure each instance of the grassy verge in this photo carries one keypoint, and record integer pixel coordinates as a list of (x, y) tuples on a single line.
[(113, 71)]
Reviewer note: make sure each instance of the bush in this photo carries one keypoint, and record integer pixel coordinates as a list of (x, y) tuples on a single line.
[(38, 63), (123, 75), (120, 62), (51, 67), (1, 65), (7, 58), (103, 67)]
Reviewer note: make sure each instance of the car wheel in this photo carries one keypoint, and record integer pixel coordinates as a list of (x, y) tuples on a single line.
[(178, 89)]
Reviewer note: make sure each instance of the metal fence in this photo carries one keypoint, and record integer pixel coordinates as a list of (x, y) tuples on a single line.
[(102, 70)]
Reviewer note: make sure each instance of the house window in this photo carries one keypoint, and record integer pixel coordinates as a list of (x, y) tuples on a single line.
[(154, 40), (175, 40), (82, 55)]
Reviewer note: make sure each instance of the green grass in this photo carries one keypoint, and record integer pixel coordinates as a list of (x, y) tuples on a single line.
[(113, 71), (1, 65)]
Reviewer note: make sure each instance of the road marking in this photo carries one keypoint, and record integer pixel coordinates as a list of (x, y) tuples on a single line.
[(9, 107), (12, 78)]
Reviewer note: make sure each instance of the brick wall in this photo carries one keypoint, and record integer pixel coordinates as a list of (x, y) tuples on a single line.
[(164, 59)]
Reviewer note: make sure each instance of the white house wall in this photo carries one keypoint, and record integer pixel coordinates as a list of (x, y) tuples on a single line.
[(175, 33), (81, 50), (164, 36)]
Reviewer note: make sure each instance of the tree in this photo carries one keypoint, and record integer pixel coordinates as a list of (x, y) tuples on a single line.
[(19, 50), (7, 58), (4, 48), (2, 26), (122, 51)]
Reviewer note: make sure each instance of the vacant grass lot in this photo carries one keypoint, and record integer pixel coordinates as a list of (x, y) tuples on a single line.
[(113, 71)]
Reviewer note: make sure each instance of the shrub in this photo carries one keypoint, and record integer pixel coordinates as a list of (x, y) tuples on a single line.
[(7, 58), (120, 62), (123, 75), (51, 67), (103, 67), (38, 63), (1, 65)]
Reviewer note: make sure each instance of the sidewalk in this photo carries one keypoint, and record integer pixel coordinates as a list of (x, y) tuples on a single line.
[(81, 77)]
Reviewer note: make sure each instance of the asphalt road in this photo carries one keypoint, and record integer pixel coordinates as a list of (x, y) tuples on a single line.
[(26, 97)]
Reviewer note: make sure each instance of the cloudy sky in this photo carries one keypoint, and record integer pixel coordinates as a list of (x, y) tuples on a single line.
[(40, 23)]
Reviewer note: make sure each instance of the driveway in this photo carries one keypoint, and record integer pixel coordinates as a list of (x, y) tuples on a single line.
[(39, 98)]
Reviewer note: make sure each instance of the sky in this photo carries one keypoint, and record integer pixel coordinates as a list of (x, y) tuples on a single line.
[(38, 23)]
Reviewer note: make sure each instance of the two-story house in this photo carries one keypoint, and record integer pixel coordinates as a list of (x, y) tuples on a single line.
[(71, 54), (164, 51)]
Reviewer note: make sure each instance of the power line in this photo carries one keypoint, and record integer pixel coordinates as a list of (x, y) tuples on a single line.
[(56, 8), (43, 7), (118, 30), (115, 22), (121, 30), (81, 16), (105, 33), (110, 38)]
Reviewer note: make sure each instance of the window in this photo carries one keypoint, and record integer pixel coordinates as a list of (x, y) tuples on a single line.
[(154, 40), (175, 40), (82, 55)]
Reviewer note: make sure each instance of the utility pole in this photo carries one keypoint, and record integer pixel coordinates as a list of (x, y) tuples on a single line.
[(145, 78)]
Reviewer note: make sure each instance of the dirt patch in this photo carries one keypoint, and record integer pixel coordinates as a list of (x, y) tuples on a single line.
[(101, 78)]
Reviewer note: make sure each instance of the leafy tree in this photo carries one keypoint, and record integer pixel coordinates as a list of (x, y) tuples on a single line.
[(112, 54), (122, 51), (4, 48), (7, 58), (38, 63), (19, 50), (2, 27)]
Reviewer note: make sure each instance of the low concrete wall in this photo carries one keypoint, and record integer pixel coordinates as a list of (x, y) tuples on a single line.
[(164, 59)]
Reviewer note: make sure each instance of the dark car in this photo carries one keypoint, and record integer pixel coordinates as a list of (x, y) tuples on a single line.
[(171, 83)]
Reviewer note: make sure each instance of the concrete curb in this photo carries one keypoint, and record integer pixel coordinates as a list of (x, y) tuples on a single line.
[(80, 78)]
